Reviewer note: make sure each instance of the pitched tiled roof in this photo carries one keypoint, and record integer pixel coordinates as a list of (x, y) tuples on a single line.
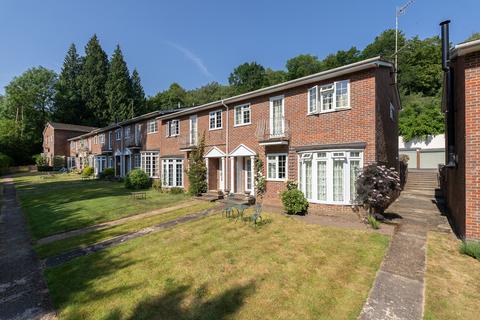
[(71, 127)]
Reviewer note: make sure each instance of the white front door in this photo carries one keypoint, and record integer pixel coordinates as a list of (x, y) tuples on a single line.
[(248, 174), (238, 176)]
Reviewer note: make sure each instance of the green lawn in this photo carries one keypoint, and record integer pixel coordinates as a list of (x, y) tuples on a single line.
[(452, 280), (65, 202), (216, 268)]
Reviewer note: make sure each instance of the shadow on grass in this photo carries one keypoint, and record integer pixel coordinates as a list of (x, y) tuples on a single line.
[(169, 305)]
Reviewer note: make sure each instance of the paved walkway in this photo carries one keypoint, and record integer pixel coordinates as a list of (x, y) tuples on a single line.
[(398, 291), (108, 224), (23, 292), (78, 252)]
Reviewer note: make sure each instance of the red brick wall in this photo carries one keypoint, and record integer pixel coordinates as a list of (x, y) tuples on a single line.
[(472, 145)]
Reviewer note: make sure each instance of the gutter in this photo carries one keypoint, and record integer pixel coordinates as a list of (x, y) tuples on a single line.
[(227, 151), (465, 48)]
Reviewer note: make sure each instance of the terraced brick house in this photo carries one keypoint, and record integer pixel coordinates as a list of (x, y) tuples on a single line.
[(461, 103), (55, 136), (319, 130)]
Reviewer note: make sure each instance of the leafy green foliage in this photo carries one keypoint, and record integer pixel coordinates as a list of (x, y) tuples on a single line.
[(474, 36), (138, 95), (58, 162), (87, 171), (294, 201), (92, 79), (421, 116), (197, 170), (5, 163), (247, 77), (471, 248), (302, 65), (40, 160), (260, 181), (176, 190), (341, 58), (118, 89), (384, 45), (107, 174), (373, 222), (137, 179)]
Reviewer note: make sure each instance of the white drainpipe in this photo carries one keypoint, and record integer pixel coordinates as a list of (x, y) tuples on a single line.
[(225, 175)]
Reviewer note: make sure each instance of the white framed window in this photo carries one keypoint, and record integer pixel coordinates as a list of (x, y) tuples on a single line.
[(101, 138), (110, 161), (215, 120), (242, 115), (329, 97), (172, 172), (149, 164), (127, 132), (173, 128), (110, 140), (277, 167), (277, 116), (152, 126), (137, 161), (392, 112), (118, 134), (330, 176), (95, 140)]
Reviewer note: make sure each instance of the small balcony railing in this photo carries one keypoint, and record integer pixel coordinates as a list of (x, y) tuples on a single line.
[(133, 142), (189, 142), (106, 148), (273, 131)]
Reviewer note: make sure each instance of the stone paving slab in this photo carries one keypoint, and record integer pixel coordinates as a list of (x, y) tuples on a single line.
[(23, 292)]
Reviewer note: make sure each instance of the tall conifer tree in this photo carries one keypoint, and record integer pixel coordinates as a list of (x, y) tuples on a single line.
[(68, 104), (92, 82), (138, 95), (118, 89)]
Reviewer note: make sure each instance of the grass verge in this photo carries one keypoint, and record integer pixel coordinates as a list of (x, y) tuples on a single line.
[(452, 280), (216, 268)]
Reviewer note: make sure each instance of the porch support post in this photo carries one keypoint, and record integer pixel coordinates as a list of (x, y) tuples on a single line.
[(208, 180), (252, 174), (232, 159), (223, 174)]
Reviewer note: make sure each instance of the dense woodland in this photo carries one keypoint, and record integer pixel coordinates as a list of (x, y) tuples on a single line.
[(97, 90)]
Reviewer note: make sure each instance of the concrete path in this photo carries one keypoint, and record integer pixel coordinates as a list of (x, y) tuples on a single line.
[(108, 224), (398, 291), (78, 252), (23, 292)]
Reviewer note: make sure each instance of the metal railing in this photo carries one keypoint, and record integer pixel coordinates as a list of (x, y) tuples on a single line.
[(277, 129)]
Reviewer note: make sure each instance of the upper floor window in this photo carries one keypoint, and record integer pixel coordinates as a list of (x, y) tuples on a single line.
[(127, 132), (95, 140), (215, 118), (152, 126), (173, 128), (72, 145), (118, 134), (330, 97), (242, 115), (101, 138)]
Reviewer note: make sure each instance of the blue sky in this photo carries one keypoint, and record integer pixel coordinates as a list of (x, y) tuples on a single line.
[(196, 42)]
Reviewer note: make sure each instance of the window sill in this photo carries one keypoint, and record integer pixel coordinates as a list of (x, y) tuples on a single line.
[(329, 111), (173, 136), (152, 132), (276, 180), (242, 124)]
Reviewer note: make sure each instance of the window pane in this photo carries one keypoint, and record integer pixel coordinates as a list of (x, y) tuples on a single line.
[(170, 173), (312, 102), (327, 100), (179, 174), (308, 179), (219, 119), (354, 172), (282, 164), (238, 115), (272, 168), (342, 94), (212, 121), (322, 180), (246, 115), (337, 180), (248, 172)]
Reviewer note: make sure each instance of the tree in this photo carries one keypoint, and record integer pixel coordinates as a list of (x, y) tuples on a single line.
[(68, 104), (247, 77), (212, 91), (138, 95), (341, 58), (421, 116), (384, 45), (92, 82), (275, 77), (421, 71), (302, 65), (172, 98), (197, 170), (474, 36), (118, 89)]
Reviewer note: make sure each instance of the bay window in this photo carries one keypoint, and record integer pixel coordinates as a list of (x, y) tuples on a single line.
[(149, 163), (329, 97), (172, 173), (277, 167), (329, 176)]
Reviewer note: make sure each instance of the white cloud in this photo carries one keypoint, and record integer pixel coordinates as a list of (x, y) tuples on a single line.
[(192, 57)]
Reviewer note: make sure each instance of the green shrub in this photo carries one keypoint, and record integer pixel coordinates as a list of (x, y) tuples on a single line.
[(471, 248), (87, 172), (294, 201), (107, 174), (40, 160), (5, 163), (176, 190), (137, 179), (197, 170), (373, 222), (157, 185), (58, 162)]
